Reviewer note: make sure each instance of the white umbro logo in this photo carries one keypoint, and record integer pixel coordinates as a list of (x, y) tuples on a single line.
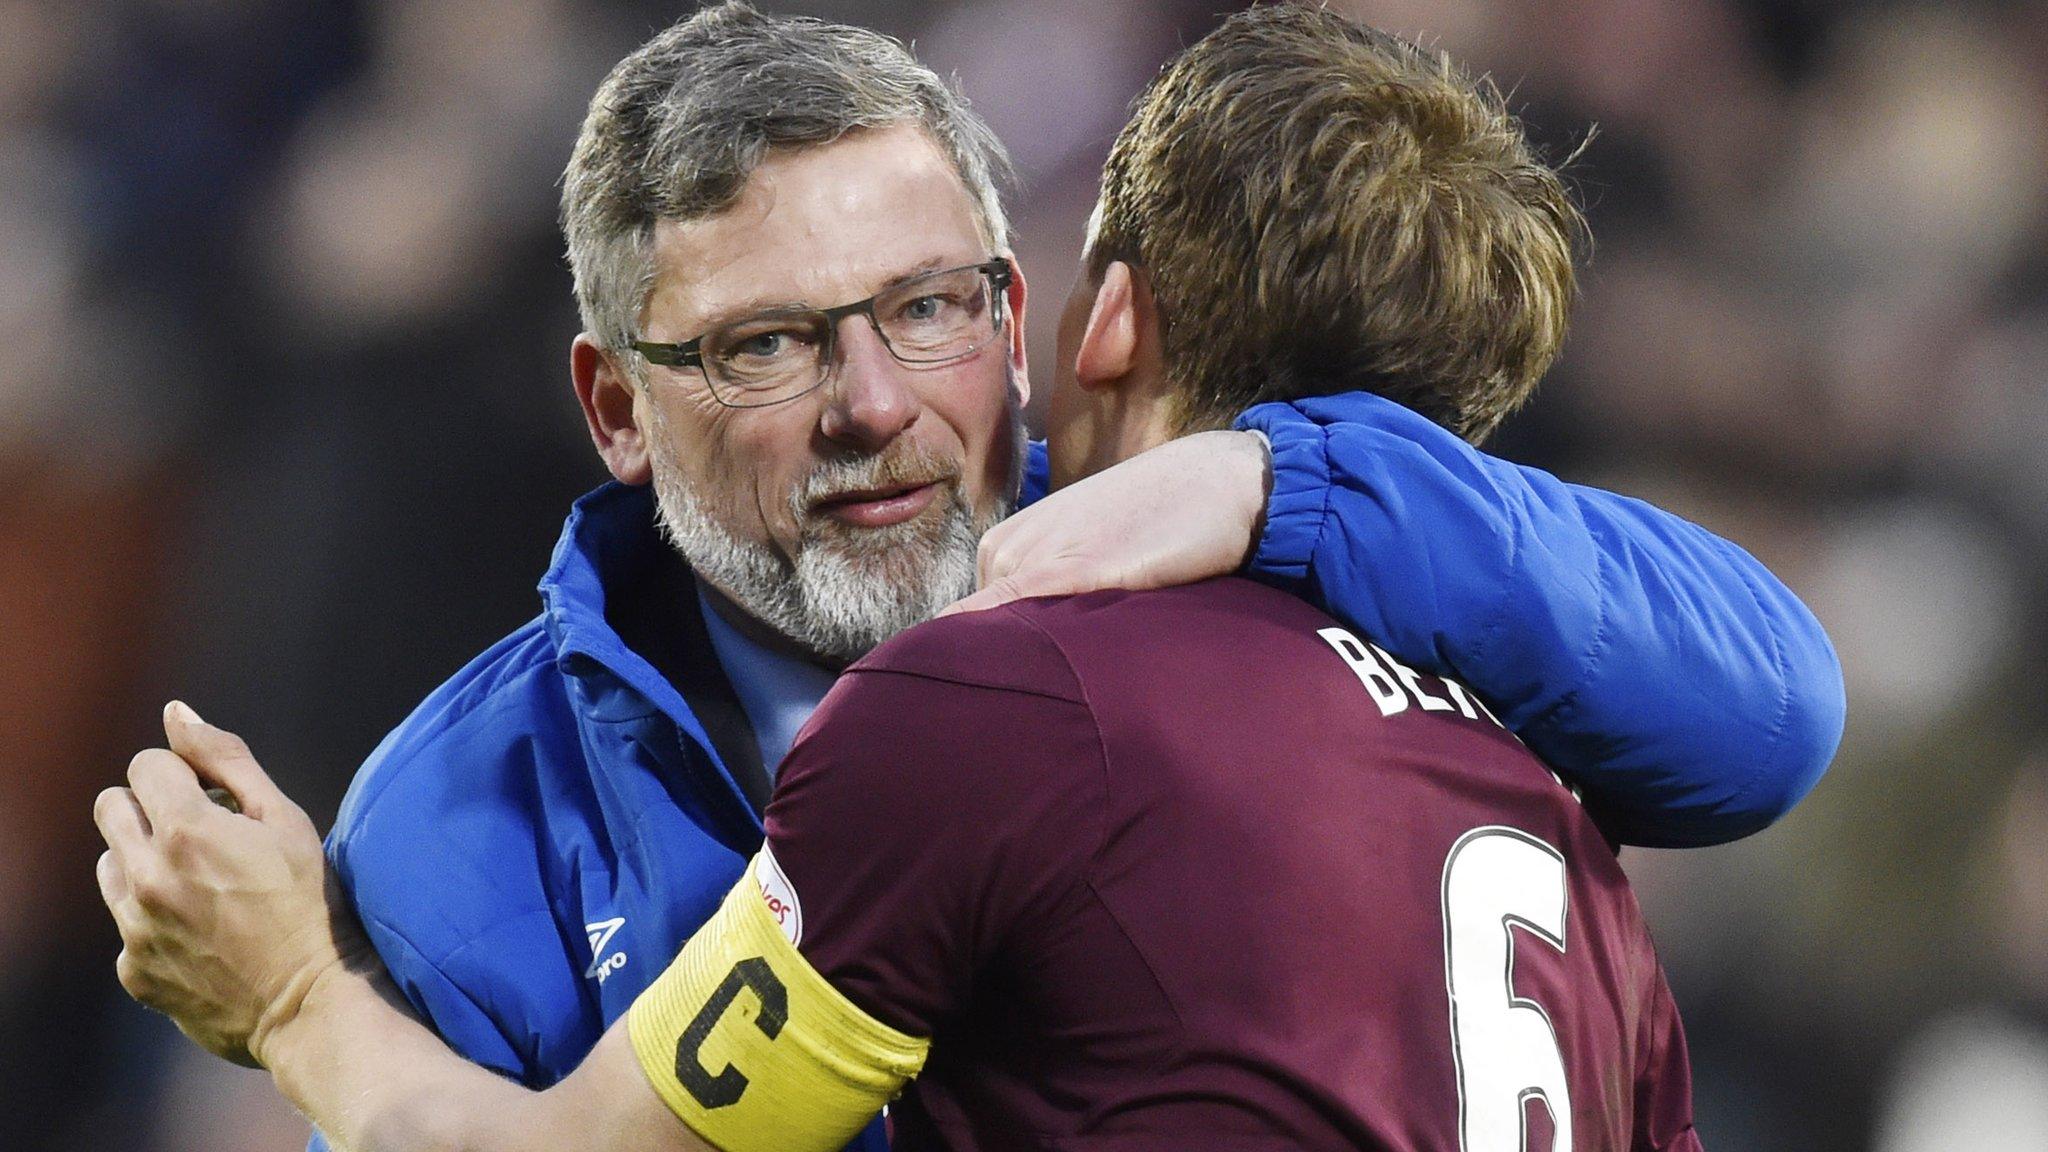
[(600, 934)]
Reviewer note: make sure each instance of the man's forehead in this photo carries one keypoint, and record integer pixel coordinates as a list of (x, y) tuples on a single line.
[(819, 226)]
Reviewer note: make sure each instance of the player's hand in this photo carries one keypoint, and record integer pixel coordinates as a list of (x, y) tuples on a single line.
[(227, 920), (1187, 510)]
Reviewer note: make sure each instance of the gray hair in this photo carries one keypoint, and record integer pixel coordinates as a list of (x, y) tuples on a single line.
[(678, 127)]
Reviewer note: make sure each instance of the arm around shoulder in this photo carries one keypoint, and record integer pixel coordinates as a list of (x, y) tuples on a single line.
[(375, 1080), (1682, 685), (387, 887)]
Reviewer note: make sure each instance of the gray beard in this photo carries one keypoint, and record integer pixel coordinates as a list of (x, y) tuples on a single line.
[(849, 589)]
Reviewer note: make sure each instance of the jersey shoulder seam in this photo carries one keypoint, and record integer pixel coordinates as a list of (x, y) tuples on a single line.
[(1102, 757), (1078, 694), (968, 682)]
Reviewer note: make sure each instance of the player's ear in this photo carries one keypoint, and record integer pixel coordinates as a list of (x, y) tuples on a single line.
[(609, 400), (1109, 344)]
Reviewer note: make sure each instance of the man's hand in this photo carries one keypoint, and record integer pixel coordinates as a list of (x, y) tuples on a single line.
[(1185, 511), (228, 920), (235, 928)]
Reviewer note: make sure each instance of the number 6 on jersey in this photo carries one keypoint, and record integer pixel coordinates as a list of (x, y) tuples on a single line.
[(1505, 1048)]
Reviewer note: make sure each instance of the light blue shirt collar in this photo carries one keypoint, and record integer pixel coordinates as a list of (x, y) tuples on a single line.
[(777, 691)]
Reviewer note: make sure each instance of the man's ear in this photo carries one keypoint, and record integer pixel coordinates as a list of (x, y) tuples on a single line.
[(608, 398), (1014, 298), (1109, 345)]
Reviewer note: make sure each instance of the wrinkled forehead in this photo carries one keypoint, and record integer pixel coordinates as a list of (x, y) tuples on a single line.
[(815, 227)]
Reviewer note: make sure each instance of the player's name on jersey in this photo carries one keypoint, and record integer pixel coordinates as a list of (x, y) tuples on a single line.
[(1395, 687)]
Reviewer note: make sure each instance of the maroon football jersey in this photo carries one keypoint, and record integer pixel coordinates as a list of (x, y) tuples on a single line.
[(1198, 869)]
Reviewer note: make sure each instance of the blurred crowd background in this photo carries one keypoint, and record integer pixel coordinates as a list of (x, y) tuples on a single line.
[(285, 430)]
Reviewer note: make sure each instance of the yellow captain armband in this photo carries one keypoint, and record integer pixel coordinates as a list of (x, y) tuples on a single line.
[(750, 1047)]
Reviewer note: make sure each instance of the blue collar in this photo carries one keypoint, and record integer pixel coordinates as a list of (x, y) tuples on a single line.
[(608, 531), (778, 690), (612, 541)]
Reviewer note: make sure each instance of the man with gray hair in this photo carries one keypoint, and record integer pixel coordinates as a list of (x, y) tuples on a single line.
[(803, 362), (672, 136)]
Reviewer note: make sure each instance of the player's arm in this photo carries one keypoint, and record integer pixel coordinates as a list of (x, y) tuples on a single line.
[(377, 864), (454, 1016), (232, 925), (374, 1079)]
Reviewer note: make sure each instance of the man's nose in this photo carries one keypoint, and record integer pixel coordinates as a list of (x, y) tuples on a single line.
[(869, 401)]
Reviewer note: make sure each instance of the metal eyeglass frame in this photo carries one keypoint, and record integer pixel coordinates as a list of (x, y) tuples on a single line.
[(690, 353)]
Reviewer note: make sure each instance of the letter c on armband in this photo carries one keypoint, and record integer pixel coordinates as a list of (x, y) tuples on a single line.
[(740, 995), (725, 1089)]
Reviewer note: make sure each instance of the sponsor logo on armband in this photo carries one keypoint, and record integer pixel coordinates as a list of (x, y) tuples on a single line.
[(779, 895)]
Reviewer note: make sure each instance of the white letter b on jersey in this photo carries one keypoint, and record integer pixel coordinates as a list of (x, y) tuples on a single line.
[(1370, 672)]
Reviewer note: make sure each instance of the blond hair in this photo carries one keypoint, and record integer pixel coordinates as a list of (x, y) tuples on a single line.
[(1321, 207)]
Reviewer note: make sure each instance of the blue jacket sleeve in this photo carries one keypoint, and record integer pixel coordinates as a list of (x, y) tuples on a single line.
[(1684, 688), (1037, 475), (443, 1005)]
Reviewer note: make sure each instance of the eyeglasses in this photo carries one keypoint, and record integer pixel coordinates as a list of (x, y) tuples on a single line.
[(932, 319)]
